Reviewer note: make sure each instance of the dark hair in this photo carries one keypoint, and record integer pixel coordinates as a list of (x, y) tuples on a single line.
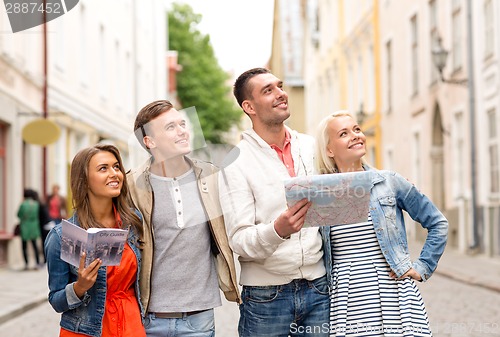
[(28, 193), (146, 115), (80, 189), (241, 90)]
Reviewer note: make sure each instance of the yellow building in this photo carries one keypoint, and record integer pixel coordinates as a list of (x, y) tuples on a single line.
[(342, 68), (286, 60)]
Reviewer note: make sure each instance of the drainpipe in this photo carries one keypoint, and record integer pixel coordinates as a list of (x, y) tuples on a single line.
[(45, 107), (472, 102)]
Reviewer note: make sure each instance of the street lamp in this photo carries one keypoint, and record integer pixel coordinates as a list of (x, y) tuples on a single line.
[(439, 57), (361, 114)]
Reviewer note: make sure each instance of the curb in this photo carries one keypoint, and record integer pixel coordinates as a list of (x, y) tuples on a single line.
[(471, 280), (23, 308)]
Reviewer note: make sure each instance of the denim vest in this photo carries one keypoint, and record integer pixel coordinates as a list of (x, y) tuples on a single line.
[(389, 196), (85, 315)]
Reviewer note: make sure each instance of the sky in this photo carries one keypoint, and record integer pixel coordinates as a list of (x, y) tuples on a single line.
[(240, 31)]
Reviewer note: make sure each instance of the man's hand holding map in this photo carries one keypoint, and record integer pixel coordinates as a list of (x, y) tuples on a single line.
[(338, 198)]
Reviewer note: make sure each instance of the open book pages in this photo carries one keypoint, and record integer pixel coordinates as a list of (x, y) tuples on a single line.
[(106, 244)]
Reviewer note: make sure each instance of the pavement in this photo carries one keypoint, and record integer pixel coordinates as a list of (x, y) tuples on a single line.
[(23, 290)]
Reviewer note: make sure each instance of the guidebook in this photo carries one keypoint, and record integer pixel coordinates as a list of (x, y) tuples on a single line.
[(337, 198), (106, 244)]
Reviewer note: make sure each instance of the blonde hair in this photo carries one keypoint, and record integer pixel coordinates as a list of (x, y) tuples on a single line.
[(324, 163)]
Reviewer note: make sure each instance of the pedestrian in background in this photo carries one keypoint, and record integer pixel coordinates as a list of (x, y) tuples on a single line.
[(285, 290), (369, 267), (44, 220), (28, 214), (98, 301), (56, 204), (186, 255)]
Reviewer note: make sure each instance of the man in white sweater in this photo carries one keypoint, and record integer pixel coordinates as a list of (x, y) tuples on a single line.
[(285, 291)]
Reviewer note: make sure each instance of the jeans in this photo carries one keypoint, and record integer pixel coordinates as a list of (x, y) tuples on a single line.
[(299, 308), (198, 325)]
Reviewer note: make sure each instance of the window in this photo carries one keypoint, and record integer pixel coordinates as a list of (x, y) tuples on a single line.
[(360, 90), (488, 28), (457, 37), (493, 152), (371, 81), (118, 74), (389, 165), (60, 45), (458, 146), (388, 50), (416, 159), (82, 65), (414, 54), (434, 35), (103, 82), (350, 93)]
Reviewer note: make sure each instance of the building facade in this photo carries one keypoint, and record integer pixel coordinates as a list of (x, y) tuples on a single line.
[(440, 130), (105, 60)]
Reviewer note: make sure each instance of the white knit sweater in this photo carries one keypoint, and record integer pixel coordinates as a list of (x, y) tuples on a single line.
[(252, 197)]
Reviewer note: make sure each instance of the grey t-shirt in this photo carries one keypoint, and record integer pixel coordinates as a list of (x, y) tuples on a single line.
[(184, 277)]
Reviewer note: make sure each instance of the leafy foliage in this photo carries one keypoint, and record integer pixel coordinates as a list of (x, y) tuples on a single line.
[(201, 83)]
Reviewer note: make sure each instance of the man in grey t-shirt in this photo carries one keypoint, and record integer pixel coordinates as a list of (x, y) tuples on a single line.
[(186, 256)]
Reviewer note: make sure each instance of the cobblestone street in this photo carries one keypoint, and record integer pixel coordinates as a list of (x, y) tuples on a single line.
[(43, 321), (455, 309), (460, 310)]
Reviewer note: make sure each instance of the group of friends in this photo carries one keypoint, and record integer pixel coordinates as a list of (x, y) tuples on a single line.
[(186, 218)]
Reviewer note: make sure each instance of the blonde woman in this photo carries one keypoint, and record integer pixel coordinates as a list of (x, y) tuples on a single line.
[(369, 268)]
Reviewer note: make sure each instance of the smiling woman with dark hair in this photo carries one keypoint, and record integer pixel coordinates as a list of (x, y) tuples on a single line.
[(97, 300)]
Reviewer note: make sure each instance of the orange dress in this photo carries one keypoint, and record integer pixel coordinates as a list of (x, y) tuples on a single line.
[(122, 317)]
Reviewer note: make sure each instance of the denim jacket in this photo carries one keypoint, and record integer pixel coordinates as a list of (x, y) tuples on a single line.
[(389, 196), (79, 315)]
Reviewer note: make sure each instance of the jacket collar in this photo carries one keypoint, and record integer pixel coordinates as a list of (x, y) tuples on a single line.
[(145, 168), (250, 134), (376, 176)]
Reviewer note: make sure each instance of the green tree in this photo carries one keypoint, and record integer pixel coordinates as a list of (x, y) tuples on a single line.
[(201, 83)]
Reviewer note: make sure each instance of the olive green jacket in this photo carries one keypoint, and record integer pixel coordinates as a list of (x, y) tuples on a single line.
[(142, 196)]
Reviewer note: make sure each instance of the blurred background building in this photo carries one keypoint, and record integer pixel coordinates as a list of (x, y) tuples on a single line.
[(432, 118), (422, 77), (105, 60)]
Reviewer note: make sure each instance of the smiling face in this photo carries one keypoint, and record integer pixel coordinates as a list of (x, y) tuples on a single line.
[(268, 102), (168, 135), (346, 143), (105, 176)]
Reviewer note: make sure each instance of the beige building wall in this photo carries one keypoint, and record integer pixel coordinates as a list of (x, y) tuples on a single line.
[(379, 53), (20, 103), (105, 61), (342, 71), (428, 123)]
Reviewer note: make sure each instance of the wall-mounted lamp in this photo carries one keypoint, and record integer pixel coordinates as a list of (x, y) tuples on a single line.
[(361, 114), (439, 57)]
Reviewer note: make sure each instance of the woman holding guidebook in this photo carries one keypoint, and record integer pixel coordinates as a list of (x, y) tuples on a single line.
[(372, 277), (97, 300)]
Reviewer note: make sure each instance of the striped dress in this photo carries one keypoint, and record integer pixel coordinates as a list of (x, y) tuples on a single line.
[(365, 301)]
